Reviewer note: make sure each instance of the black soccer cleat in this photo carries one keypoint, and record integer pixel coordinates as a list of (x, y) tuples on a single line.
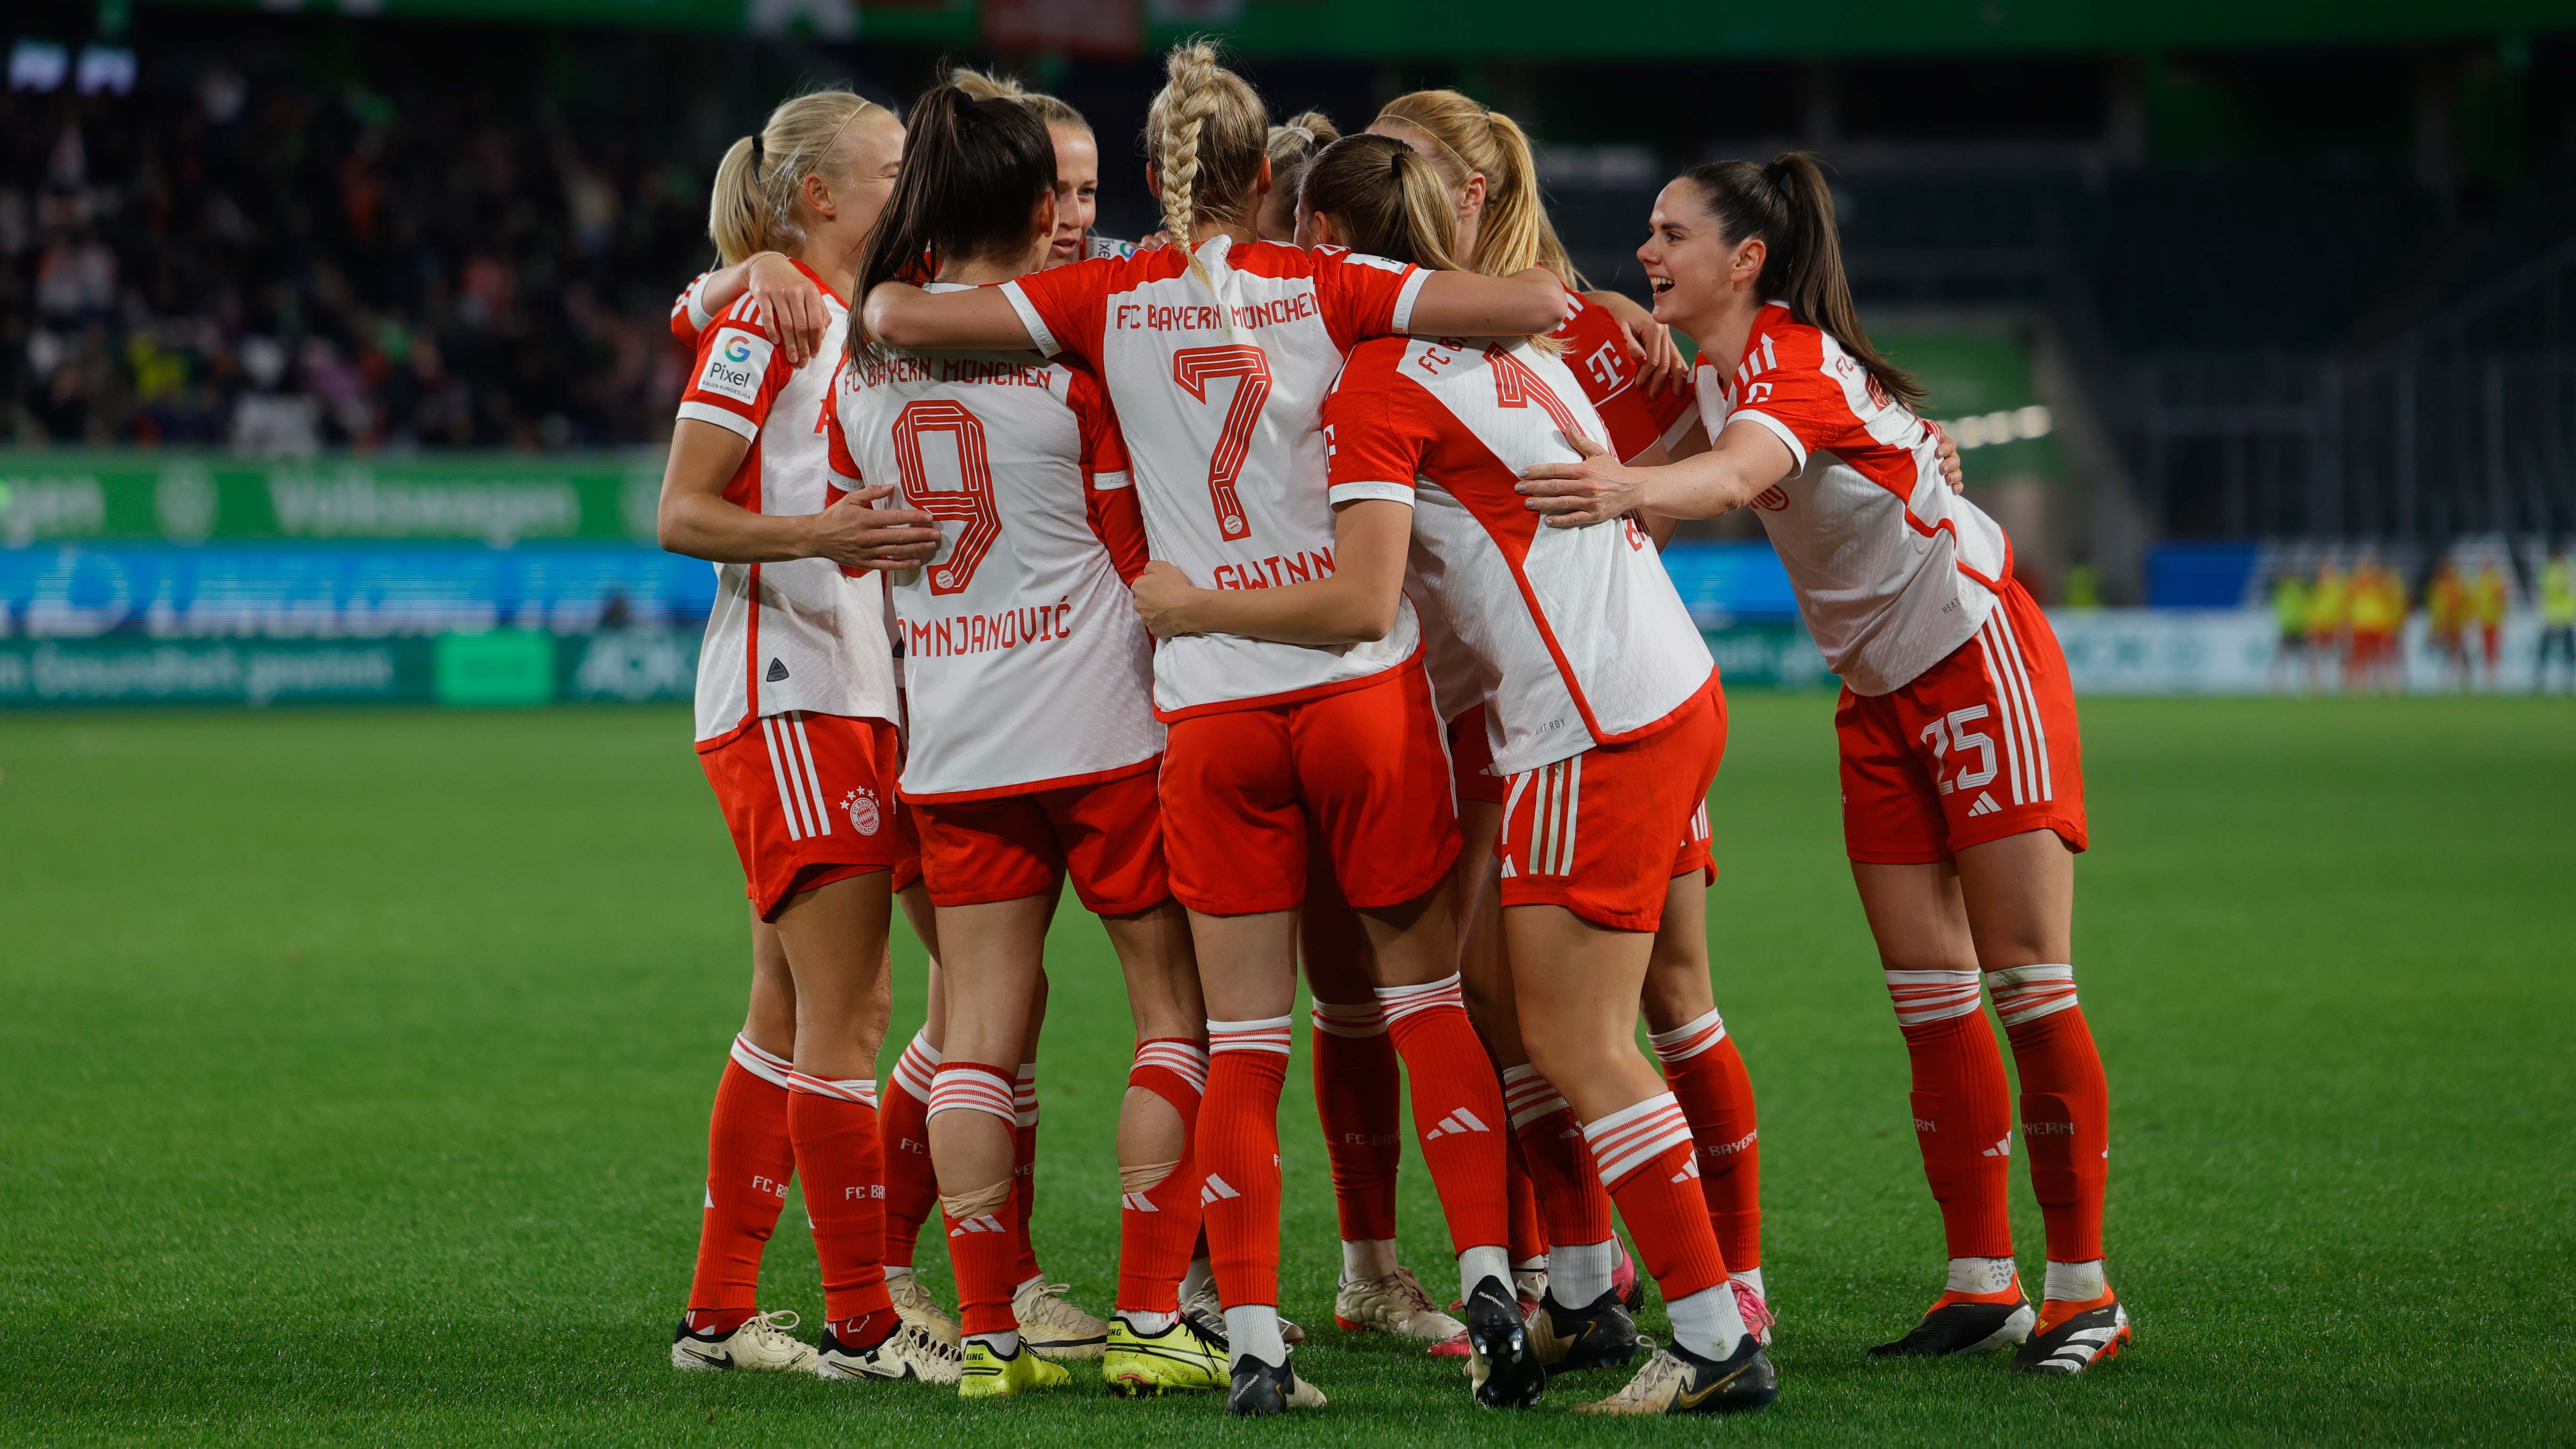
[(1598, 1335), (1502, 1359), (2078, 1341), (1959, 1325), (1260, 1390), (1678, 1381)]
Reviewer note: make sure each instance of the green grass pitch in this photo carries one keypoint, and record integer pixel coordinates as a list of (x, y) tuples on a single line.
[(358, 1066)]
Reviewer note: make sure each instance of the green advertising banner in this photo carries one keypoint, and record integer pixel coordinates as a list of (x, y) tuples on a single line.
[(504, 668), (497, 499)]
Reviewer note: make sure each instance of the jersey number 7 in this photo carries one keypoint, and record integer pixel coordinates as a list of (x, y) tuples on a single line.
[(1193, 368), (970, 503)]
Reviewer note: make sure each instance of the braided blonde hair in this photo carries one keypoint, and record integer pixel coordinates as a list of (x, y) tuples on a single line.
[(759, 183), (1207, 134)]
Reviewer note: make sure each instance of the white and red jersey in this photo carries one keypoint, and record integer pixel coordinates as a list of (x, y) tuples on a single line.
[(689, 317), (1587, 641), (796, 635), (1025, 665), (1219, 396), (1893, 569), (1596, 352)]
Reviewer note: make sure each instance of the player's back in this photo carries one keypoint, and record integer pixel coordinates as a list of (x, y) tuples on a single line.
[(1026, 666), (1581, 626), (1218, 395), (1893, 569)]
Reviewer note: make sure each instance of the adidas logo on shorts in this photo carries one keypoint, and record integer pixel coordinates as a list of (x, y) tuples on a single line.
[(1985, 805)]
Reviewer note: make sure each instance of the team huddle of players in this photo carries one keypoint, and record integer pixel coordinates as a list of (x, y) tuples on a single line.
[(1292, 586)]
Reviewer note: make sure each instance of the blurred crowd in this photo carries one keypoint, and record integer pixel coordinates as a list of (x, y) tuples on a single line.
[(2346, 625), (281, 269)]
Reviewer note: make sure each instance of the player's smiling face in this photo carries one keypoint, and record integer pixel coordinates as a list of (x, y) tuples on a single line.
[(1077, 192), (1686, 259)]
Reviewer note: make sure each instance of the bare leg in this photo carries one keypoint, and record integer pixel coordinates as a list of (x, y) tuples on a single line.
[(770, 1023)]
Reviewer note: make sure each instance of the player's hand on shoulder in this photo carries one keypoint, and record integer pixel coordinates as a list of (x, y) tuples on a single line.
[(857, 535), (1593, 490), (791, 309), (1163, 595), (1951, 472)]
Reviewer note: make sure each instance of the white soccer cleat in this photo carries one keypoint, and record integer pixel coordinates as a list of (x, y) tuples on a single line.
[(914, 1303), (762, 1344), (1393, 1304), (907, 1353), (1054, 1326)]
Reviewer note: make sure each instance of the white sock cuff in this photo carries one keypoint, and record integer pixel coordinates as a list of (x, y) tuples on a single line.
[(2027, 993), (1024, 1095), (970, 1088), (1265, 1034), (1689, 1039), (1335, 1018), (1636, 1134), (1527, 1096), (1708, 1322), (771, 1069), (1182, 1059), (862, 1090), (919, 1063), (1578, 1273), (1399, 1002), (2075, 1282), (1924, 997)]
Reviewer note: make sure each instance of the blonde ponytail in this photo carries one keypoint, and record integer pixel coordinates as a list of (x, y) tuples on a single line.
[(1514, 232), (757, 203), (983, 85), (1207, 134)]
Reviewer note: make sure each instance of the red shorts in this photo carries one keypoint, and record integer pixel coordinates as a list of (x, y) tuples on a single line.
[(810, 800), (1106, 834), (1471, 759), (1604, 833), (1978, 747), (1364, 770)]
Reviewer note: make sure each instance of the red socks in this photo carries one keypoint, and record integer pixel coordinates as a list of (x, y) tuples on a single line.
[(2065, 1104), (903, 1130), (1238, 1145), (1962, 1118), (1457, 1108), (1529, 1235), (1707, 1076), (1024, 1167), (982, 1247), (1570, 1198), (1648, 1163), (834, 1127), (749, 1160), (1356, 1086), (1158, 1225)]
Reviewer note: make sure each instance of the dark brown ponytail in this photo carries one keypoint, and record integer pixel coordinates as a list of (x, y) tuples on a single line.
[(1788, 205), (973, 172)]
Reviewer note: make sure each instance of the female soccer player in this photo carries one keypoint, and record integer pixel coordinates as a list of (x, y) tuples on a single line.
[(1217, 352), (1961, 778), (1630, 372), (795, 726), (1595, 668), (1033, 744)]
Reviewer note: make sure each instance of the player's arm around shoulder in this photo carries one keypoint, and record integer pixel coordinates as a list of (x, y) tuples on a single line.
[(1357, 603), (1598, 487)]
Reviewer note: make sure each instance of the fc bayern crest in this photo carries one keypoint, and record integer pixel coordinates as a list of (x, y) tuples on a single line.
[(862, 806)]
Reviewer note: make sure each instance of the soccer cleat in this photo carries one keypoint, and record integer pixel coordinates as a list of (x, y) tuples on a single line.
[(1259, 1390), (906, 1353), (1455, 1345), (1503, 1363), (1203, 1309), (1052, 1326), (985, 1374), (914, 1303), (2073, 1337), (762, 1343), (1755, 1310), (1964, 1323), (1598, 1335), (1180, 1359), (1392, 1304), (1678, 1381)]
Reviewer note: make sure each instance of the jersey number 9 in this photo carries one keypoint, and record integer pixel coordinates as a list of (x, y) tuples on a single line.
[(970, 503)]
